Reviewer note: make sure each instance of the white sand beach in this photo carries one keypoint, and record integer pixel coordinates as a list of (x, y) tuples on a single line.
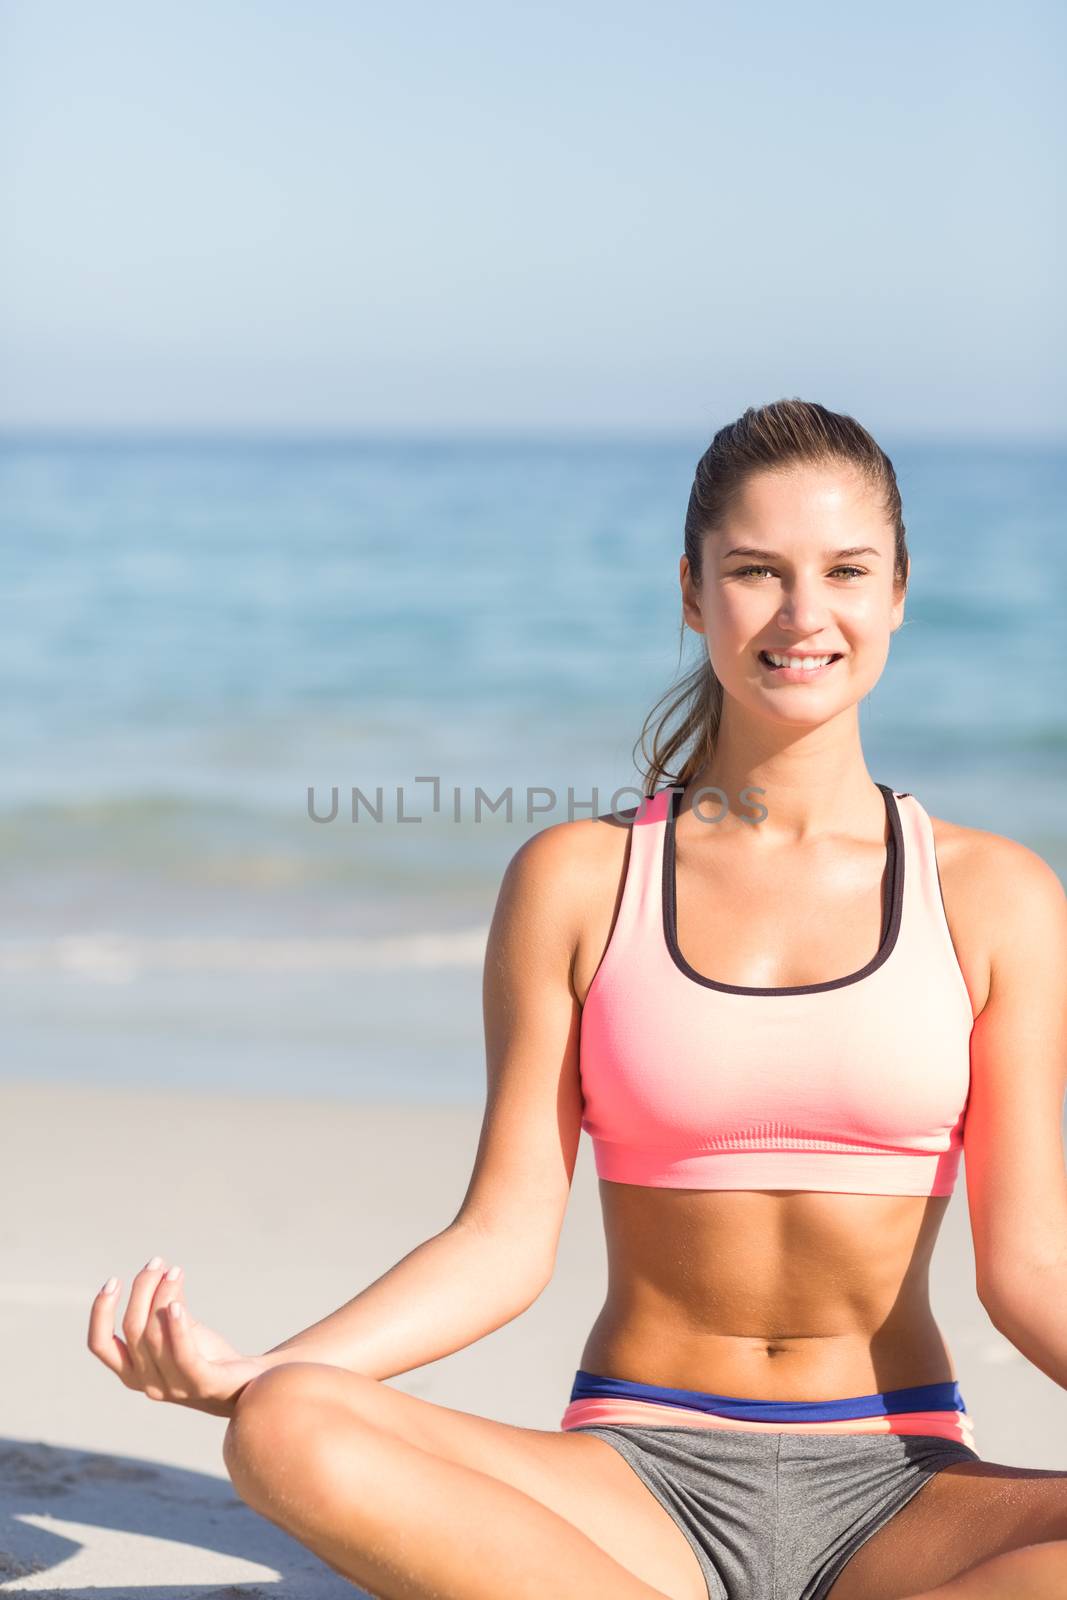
[(279, 1211)]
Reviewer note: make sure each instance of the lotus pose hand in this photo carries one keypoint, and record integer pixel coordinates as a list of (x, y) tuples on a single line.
[(166, 1353)]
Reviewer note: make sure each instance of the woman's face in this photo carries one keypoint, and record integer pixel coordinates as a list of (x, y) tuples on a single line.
[(776, 578)]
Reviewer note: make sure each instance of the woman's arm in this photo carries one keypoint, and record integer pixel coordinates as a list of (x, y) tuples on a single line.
[(448, 1292), (498, 1254), (1013, 1143)]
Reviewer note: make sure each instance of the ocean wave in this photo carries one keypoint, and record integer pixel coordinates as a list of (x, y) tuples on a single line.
[(118, 958)]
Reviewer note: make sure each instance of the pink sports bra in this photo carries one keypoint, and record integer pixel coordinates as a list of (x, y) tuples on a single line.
[(858, 1084)]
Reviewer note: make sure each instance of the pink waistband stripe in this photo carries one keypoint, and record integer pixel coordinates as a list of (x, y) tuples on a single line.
[(598, 1401), (955, 1425)]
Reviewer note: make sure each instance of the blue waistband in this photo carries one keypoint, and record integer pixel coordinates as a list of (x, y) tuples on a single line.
[(924, 1397)]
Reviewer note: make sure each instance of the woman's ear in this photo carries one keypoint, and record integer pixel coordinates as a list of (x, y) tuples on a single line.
[(692, 615), (897, 612)]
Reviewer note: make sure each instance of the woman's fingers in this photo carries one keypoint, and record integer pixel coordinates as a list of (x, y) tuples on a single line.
[(159, 1356), (155, 1342), (184, 1359), (102, 1340), (171, 1359), (134, 1325), (141, 1291), (189, 1363)]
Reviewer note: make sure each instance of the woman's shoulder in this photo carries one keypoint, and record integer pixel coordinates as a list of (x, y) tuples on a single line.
[(563, 885), (581, 850), (997, 893), (576, 867), (989, 862)]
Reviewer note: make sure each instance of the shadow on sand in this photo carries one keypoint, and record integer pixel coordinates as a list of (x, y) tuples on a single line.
[(82, 1525)]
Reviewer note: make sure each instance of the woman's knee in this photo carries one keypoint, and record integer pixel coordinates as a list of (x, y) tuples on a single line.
[(274, 1416)]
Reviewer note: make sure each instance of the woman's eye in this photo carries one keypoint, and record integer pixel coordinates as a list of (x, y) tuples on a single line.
[(744, 572)]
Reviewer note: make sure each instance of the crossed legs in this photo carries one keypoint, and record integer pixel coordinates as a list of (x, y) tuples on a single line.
[(410, 1500)]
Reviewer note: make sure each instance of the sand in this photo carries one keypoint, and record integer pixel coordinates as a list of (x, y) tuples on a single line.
[(279, 1210)]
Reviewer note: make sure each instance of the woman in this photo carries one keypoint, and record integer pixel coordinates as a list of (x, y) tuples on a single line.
[(765, 1408)]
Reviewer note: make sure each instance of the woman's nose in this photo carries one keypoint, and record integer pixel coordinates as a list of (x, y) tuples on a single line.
[(802, 609)]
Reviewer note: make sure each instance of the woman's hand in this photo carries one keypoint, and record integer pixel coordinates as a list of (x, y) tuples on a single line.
[(167, 1354)]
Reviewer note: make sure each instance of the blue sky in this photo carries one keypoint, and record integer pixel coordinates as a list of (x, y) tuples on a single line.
[(254, 215)]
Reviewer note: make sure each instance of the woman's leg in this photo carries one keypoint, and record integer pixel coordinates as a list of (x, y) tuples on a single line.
[(1039, 1572), (409, 1499), (947, 1541), (1036, 1572)]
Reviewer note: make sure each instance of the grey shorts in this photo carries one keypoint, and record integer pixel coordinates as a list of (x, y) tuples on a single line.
[(775, 1516)]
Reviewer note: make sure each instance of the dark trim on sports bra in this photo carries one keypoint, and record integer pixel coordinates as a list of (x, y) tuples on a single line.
[(893, 901)]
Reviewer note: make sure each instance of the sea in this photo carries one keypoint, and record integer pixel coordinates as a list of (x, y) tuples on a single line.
[(255, 687)]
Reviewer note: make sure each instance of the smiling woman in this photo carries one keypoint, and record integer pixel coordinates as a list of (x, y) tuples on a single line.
[(765, 1404), (818, 1117)]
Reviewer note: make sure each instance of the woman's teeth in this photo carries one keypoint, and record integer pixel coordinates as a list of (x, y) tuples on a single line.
[(803, 663)]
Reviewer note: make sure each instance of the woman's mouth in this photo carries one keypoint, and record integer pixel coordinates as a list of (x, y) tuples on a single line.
[(802, 668)]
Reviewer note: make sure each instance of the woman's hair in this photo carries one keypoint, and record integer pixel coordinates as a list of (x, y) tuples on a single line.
[(784, 434)]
